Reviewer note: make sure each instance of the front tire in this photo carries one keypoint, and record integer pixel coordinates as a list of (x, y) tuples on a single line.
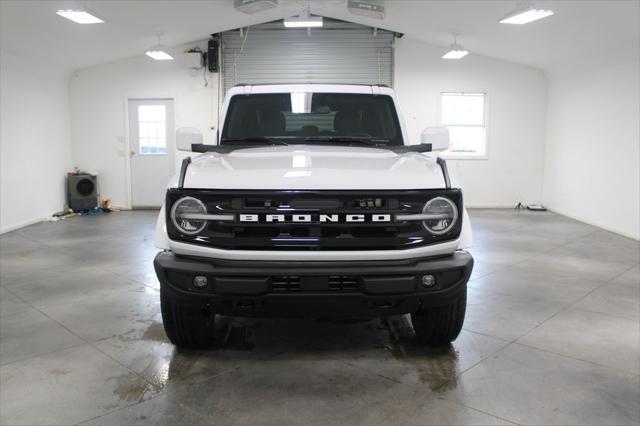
[(440, 325), (187, 327)]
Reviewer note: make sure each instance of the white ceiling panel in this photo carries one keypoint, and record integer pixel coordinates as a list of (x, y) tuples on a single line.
[(580, 33)]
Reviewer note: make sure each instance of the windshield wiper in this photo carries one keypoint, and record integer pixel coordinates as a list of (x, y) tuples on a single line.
[(367, 141), (252, 140)]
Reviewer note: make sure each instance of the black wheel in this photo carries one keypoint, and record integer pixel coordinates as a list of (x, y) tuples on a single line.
[(187, 327), (440, 325)]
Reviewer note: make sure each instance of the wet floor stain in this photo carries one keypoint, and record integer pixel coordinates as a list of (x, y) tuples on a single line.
[(59, 371), (182, 366), (437, 367), (441, 372), (131, 388), (155, 332), (109, 407)]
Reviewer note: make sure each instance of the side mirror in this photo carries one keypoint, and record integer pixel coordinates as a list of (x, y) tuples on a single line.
[(186, 137), (437, 137)]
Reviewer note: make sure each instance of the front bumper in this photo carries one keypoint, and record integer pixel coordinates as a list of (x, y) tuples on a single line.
[(316, 289)]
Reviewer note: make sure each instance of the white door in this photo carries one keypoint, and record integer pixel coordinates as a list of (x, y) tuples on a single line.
[(152, 155)]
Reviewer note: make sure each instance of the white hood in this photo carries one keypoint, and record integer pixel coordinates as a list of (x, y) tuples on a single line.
[(300, 167)]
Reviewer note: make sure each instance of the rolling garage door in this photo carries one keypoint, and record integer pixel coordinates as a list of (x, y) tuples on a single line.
[(339, 52)]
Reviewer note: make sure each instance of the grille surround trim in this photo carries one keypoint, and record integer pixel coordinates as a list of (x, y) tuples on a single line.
[(398, 234)]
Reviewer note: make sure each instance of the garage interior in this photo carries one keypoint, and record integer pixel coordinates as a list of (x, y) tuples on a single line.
[(552, 330)]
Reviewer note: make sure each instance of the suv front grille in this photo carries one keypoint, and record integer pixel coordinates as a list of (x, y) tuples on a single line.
[(313, 235)]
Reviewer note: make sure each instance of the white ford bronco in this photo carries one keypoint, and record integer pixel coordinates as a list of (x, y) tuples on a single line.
[(313, 202)]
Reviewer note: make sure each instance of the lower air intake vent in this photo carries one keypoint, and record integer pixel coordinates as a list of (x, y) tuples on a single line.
[(285, 283), (342, 283)]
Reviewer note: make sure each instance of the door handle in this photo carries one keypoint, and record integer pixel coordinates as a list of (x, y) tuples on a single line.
[(132, 153)]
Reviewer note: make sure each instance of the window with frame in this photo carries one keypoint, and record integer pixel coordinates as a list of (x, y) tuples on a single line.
[(464, 114), (152, 129)]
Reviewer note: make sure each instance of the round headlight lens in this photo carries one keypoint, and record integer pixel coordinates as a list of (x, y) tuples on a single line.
[(444, 215), (183, 212)]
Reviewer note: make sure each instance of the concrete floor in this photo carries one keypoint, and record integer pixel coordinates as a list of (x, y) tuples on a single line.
[(551, 337)]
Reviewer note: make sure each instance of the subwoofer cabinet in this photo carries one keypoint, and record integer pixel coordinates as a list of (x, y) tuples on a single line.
[(82, 191)]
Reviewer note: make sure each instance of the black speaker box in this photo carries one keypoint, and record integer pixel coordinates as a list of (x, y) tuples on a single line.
[(212, 55), (82, 192)]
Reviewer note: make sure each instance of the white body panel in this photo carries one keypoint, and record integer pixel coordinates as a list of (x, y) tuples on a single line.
[(298, 167), (313, 167)]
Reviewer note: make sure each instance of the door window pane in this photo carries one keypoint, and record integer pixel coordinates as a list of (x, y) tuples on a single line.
[(152, 129), (464, 115)]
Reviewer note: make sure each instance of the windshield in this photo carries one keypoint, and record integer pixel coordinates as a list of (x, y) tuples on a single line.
[(313, 118)]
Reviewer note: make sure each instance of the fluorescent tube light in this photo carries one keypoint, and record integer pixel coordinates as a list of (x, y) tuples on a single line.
[(524, 16), (156, 52), (159, 55), (79, 16), (455, 53), (303, 22)]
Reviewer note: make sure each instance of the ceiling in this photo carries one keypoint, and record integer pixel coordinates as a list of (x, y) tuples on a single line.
[(580, 34)]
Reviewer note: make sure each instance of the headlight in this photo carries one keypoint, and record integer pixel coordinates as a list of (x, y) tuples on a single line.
[(186, 215), (443, 215)]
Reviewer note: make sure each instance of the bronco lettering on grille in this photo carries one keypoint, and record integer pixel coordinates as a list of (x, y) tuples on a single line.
[(315, 218)]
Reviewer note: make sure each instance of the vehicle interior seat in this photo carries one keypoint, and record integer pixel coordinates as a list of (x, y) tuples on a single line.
[(348, 122), (271, 122), (310, 130)]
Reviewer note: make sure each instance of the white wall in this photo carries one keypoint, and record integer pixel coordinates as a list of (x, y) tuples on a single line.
[(516, 102), (98, 110), (592, 161), (35, 149)]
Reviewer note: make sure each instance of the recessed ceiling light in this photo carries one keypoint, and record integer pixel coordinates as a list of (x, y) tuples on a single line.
[(159, 55), (304, 20), (524, 16), (456, 51), (79, 16)]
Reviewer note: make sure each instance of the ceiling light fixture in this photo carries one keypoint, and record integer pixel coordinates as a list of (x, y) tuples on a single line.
[(157, 53), (525, 15), (79, 16), (369, 8), (456, 51), (254, 6), (304, 20)]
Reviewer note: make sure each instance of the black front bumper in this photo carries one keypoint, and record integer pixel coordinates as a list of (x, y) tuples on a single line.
[(317, 289)]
